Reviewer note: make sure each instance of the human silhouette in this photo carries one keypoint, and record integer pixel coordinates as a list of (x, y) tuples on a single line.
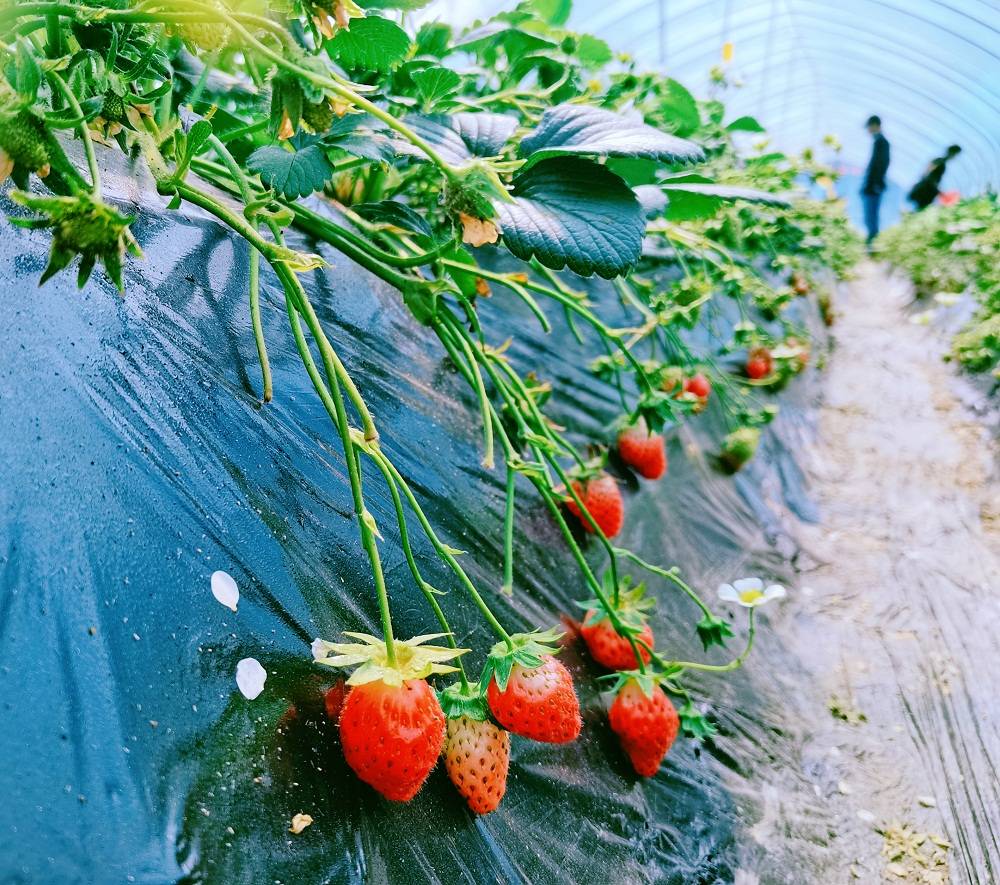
[(926, 190), (874, 183)]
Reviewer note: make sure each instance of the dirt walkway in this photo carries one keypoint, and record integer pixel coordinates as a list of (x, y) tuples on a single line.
[(898, 625)]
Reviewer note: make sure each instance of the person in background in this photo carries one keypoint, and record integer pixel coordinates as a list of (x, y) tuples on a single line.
[(927, 190), (874, 183)]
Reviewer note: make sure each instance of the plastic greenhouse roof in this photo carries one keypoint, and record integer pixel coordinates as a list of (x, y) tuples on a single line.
[(929, 68)]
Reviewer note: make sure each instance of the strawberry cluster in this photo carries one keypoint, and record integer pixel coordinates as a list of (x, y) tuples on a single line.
[(393, 726), (619, 637)]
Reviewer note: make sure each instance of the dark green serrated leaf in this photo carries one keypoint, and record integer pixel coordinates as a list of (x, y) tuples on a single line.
[(460, 137), (291, 173), (395, 213), (435, 84), (579, 129), (371, 44), (568, 211)]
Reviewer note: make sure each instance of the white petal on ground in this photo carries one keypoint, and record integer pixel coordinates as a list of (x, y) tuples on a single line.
[(250, 678), (224, 589), (299, 823)]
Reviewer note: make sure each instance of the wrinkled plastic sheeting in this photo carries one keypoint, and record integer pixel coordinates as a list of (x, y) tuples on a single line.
[(138, 460)]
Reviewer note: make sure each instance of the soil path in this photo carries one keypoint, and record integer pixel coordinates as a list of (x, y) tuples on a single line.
[(899, 623)]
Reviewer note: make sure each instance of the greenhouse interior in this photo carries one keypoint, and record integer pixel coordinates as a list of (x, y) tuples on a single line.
[(500, 442)]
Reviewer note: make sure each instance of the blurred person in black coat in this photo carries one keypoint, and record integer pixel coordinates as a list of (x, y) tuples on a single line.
[(927, 189), (874, 183)]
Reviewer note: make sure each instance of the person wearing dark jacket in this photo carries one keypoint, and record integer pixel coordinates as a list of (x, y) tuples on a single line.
[(927, 189), (874, 183)]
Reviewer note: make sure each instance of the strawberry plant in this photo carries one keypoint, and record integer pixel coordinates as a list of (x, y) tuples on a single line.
[(949, 251), (510, 161)]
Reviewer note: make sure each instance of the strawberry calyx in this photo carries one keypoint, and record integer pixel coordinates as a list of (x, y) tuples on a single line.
[(694, 723), (713, 630), (526, 649), (590, 469), (627, 614), (414, 659), (648, 681), (469, 701)]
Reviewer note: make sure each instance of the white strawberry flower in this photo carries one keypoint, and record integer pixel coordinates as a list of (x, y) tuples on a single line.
[(750, 592)]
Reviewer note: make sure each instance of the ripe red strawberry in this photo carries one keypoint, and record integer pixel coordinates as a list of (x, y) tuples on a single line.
[(477, 755), (603, 501), (537, 703), (646, 725), (699, 385), (643, 451), (392, 735), (609, 648), (759, 363), (333, 699)]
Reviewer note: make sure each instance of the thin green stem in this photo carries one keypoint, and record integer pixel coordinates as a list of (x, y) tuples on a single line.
[(670, 574), (428, 591), (508, 534), (84, 130), (443, 551)]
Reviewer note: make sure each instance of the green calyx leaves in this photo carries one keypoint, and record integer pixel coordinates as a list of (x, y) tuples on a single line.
[(82, 225), (414, 659), (713, 630), (526, 649), (457, 701), (631, 607), (694, 723)]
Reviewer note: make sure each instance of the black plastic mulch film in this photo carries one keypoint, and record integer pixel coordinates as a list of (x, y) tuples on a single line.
[(137, 460)]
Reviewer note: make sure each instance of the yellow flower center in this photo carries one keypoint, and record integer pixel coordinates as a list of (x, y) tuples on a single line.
[(750, 596)]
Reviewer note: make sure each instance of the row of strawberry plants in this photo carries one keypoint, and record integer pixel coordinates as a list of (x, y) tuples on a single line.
[(949, 251), (347, 128)]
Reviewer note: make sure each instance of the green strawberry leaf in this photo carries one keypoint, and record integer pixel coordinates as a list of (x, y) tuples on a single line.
[(397, 214), (745, 124), (578, 129), (434, 85), (680, 108), (405, 5), (460, 138), (356, 135), (23, 71), (567, 211), (371, 44), (293, 173), (700, 185)]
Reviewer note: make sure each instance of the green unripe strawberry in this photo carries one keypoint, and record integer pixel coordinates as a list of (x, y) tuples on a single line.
[(113, 109), (318, 116), (739, 447), (208, 36), (22, 138)]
